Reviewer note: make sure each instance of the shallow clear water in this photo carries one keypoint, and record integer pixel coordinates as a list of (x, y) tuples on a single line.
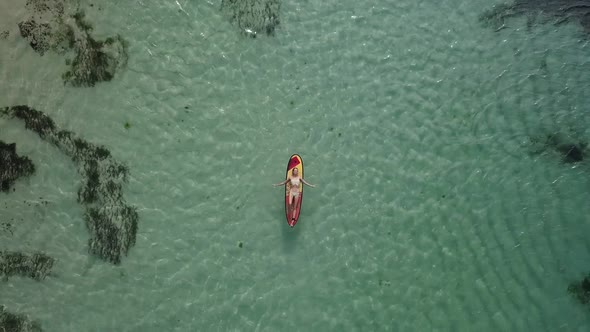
[(414, 120)]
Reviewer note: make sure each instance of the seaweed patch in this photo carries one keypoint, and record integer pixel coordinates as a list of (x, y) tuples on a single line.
[(94, 60), (111, 221), (38, 35), (253, 16), (581, 289), (44, 29), (12, 166), (545, 11), (11, 322), (569, 150), (36, 266), (50, 28), (6, 227)]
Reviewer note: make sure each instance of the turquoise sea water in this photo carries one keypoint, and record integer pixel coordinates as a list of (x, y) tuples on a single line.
[(414, 120)]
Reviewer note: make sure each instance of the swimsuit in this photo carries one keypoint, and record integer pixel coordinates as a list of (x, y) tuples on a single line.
[(295, 186)]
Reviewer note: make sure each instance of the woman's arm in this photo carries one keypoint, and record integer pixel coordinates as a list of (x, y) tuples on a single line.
[(309, 184), (280, 184)]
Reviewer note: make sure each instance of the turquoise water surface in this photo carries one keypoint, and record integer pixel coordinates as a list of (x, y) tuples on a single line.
[(435, 210)]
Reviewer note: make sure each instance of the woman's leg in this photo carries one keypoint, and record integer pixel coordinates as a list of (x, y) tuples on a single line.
[(290, 206), (294, 206)]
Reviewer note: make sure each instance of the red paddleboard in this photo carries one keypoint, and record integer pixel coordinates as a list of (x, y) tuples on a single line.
[(294, 162)]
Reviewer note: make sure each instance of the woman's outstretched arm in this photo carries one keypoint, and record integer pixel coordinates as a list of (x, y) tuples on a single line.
[(309, 184), (280, 184)]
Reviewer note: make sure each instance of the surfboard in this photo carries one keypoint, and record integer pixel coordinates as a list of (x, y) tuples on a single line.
[(294, 162)]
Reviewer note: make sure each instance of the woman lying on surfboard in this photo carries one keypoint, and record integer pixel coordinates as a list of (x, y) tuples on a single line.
[(294, 192)]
